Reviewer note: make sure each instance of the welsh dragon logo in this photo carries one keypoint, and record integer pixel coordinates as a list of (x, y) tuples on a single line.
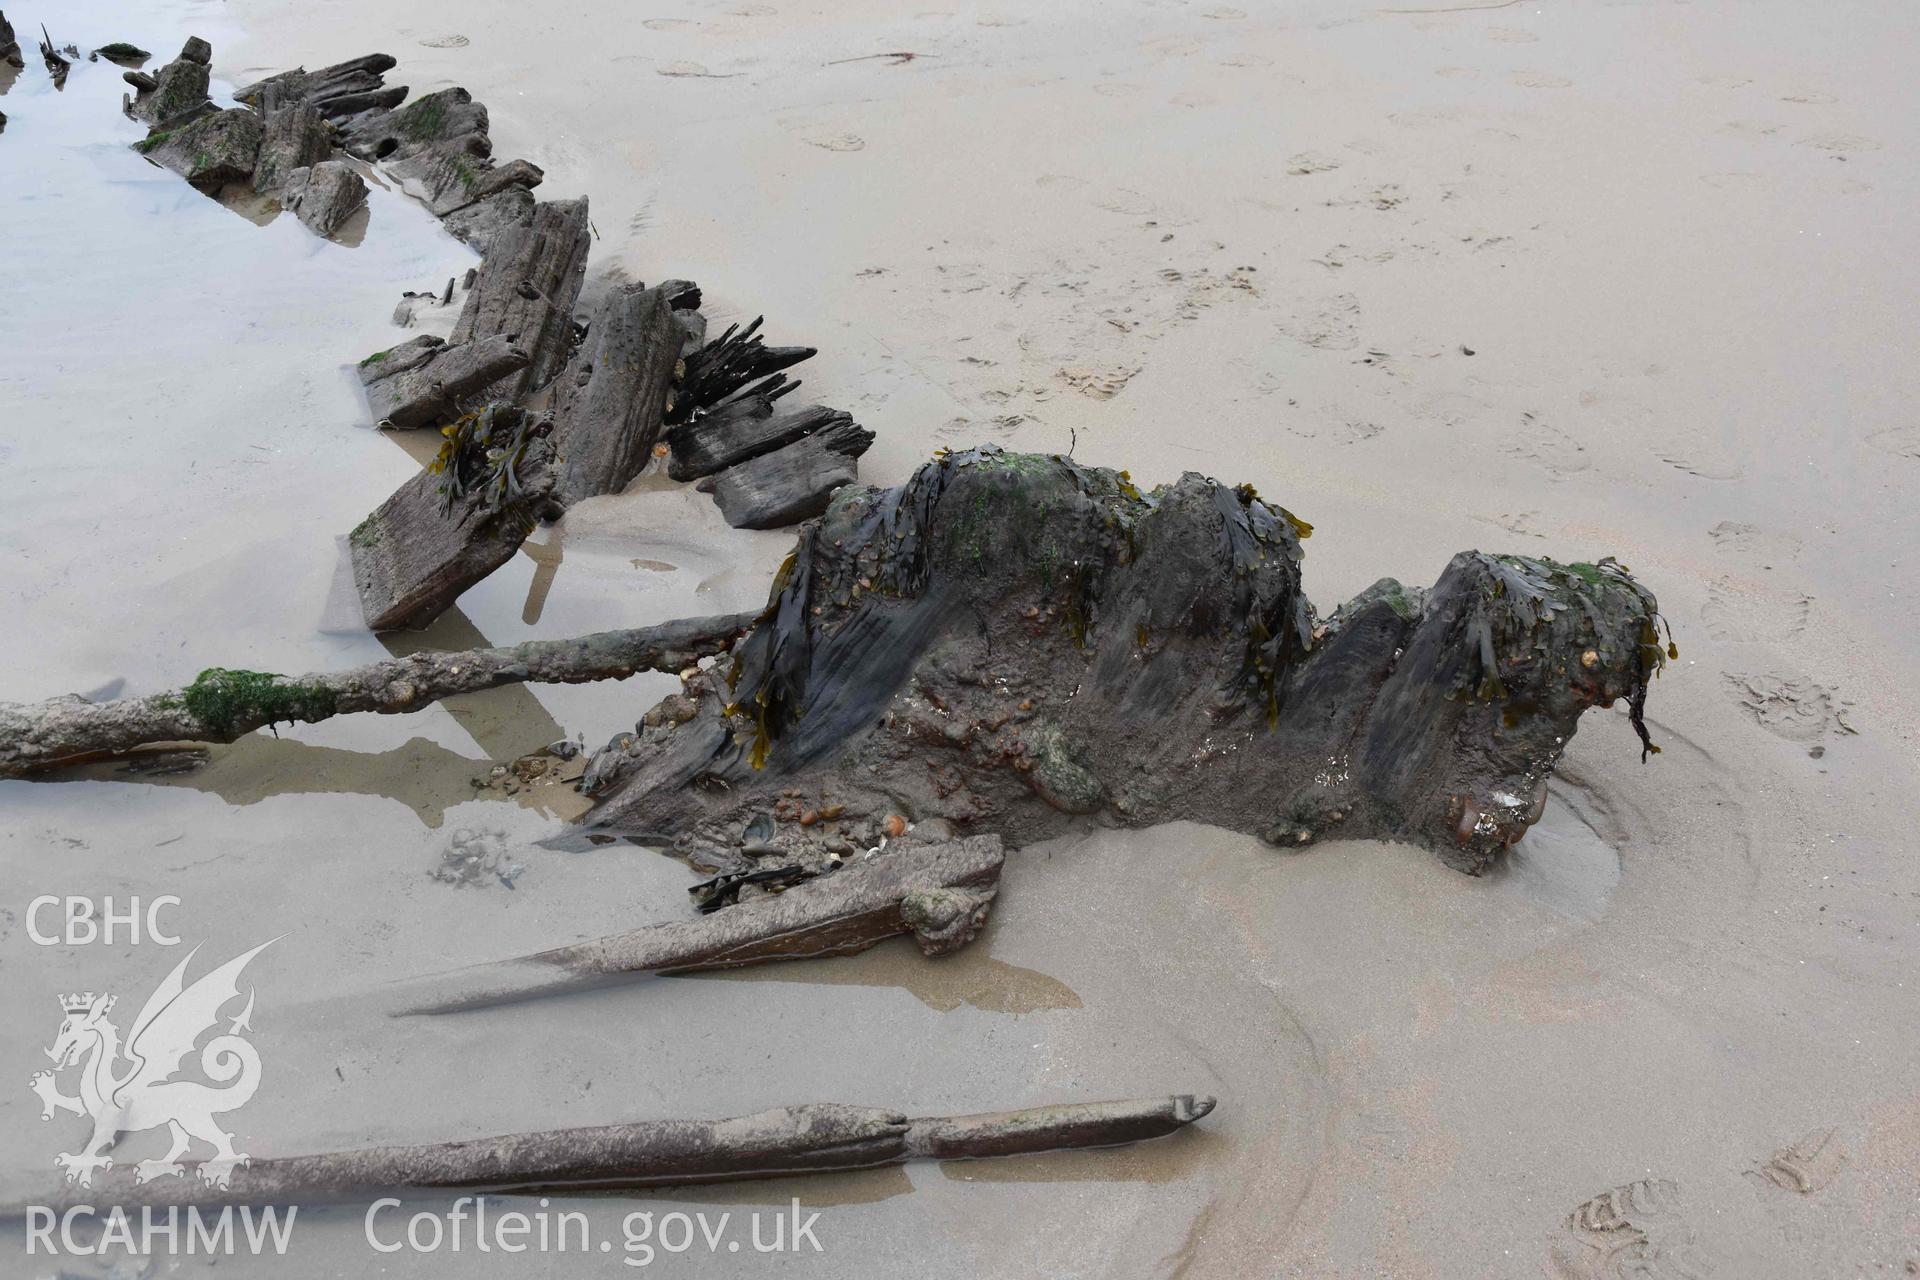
[(131, 1087)]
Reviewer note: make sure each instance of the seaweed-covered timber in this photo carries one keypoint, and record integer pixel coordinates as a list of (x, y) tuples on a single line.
[(456, 521), (809, 1138), (210, 151), (1012, 643), (223, 704), (940, 893)]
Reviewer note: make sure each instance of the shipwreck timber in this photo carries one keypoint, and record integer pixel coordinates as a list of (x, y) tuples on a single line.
[(1013, 643), (811, 1138)]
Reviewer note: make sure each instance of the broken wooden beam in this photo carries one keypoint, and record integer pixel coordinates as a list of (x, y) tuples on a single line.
[(610, 403), (211, 151), (454, 522), (343, 80), (735, 360), (1019, 643), (809, 1138), (940, 893), (792, 483), (224, 704), (174, 91), (426, 382), (9, 45), (295, 137), (741, 431), (526, 290), (325, 196)]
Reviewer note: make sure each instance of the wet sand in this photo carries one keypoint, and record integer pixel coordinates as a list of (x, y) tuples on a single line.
[(1255, 243)]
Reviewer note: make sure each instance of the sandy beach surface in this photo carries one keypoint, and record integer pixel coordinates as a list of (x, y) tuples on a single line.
[(1630, 279)]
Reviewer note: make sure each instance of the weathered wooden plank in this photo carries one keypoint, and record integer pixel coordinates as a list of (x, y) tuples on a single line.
[(610, 403), (740, 431), (296, 137), (177, 89), (424, 382), (325, 195), (810, 1138), (939, 892), (211, 151), (790, 484), (526, 290), (416, 553)]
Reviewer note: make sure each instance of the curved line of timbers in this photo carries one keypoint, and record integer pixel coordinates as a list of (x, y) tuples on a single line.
[(1002, 648)]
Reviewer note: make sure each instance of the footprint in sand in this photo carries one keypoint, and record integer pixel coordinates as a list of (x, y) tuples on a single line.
[(1224, 13), (1331, 324), (1901, 442), (1548, 447), (1457, 73), (1839, 143), (1806, 1166), (1305, 162), (1098, 384), (1511, 35), (1539, 80), (1752, 543), (835, 141), (1741, 614), (1639, 1231), (1735, 180), (1125, 200), (1117, 89), (692, 71), (1702, 467), (1796, 708), (752, 11), (1811, 99), (446, 42)]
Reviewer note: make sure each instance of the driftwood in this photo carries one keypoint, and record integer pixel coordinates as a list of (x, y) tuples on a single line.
[(446, 528), (611, 401), (811, 1138), (793, 483), (1013, 643), (741, 430), (426, 382), (940, 893), (175, 91), (224, 705), (526, 290), (325, 196)]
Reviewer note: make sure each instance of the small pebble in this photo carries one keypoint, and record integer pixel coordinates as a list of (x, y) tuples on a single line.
[(896, 826)]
